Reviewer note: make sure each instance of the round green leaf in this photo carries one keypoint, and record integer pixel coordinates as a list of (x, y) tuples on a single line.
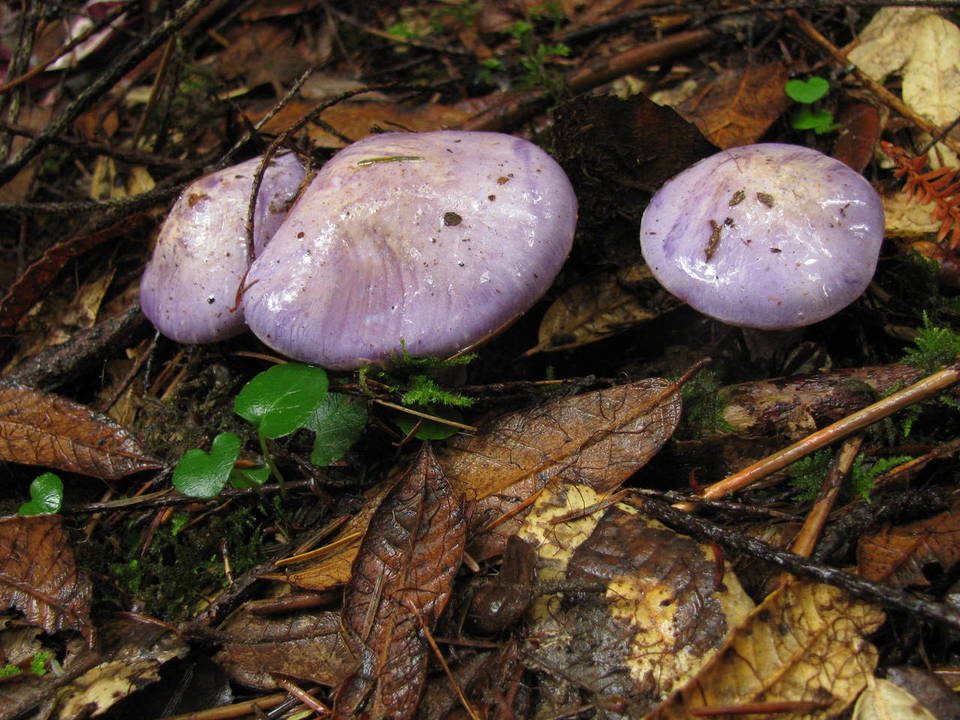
[(281, 399), (200, 474), (807, 91), (337, 423), (46, 496)]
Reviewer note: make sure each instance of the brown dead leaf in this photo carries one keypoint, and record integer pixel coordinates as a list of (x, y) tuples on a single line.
[(740, 105), (330, 569), (805, 642), (402, 579), (602, 306), (33, 284), (39, 576), (597, 439), (898, 555), (357, 119), (658, 613), (306, 647), (39, 428)]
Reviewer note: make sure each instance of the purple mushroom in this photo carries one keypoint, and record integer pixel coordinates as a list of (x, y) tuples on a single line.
[(423, 241), (190, 286), (765, 236)]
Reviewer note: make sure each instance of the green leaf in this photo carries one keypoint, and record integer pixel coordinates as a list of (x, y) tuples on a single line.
[(249, 477), (337, 423), (200, 474), (46, 496), (807, 91), (430, 429), (820, 121), (280, 400)]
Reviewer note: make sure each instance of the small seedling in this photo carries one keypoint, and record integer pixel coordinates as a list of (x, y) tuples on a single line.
[(46, 496), (277, 402), (808, 92)]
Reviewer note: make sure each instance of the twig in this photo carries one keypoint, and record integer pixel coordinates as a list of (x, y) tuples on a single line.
[(922, 390), (856, 586)]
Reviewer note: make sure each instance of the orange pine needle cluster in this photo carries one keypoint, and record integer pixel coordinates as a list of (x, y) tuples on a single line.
[(940, 186)]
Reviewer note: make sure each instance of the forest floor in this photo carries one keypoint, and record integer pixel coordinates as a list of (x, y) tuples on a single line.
[(618, 506)]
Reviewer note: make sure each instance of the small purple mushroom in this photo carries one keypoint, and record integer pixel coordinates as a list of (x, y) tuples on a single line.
[(765, 236), (189, 288), (423, 241)]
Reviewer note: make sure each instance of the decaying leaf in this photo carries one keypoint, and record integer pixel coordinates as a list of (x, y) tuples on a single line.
[(898, 555), (132, 655), (597, 439), (39, 428), (926, 47), (402, 578), (882, 700), (359, 118), (804, 643), (646, 609), (332, 568), (306, 647), (39, 576), (603, 306), (740, 105), (903, 217)]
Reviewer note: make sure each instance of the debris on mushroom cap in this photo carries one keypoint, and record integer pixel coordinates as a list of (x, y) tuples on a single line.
[(189, 287), (423, 241), (768, 236)]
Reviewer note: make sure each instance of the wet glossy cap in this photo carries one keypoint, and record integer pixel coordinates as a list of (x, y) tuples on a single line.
[(428, 241), (768, 236), (189, 287)]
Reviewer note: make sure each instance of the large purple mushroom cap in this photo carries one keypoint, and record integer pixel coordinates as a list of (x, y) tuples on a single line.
[(189, 287), (767, 236), (423, 241)]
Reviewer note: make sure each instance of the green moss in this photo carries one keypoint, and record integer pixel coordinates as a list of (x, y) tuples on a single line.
[(703, 404), (183, 565)]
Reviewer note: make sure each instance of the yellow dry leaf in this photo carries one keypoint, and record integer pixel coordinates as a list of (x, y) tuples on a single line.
[(662, 614), (886, 43), (906, 218), (931, 76), (883, 700), (554, 542), (805, 642), (926, 49)]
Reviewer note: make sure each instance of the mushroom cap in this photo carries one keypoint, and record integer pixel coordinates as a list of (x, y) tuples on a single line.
[(189, 286), (768, 236), (423, 241)]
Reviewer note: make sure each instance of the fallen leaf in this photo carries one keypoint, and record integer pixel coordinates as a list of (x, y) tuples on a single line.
[(656, 613), (926, 48), (740, 105), (805, 642), (608, 304), (931, 76), (307, 647), (39, 428), (402, 579), (357, 119), (597, 439), (39, 576), (899, 555), (131, 657), (883, 700), (32, 285), (906, 218)]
